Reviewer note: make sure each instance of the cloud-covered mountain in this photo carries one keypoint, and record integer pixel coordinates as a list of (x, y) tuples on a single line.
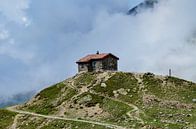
[(16, 99), (147, 4)]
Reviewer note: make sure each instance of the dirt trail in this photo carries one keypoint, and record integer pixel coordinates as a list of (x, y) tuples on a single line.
[(100, 78), (135, 110), (14, 125), (61, 118)]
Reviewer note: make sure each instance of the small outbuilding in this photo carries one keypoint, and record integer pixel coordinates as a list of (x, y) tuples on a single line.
[(98, 62)]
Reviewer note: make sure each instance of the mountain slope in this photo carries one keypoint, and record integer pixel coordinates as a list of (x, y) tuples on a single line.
[(110, 100), (147, 4)]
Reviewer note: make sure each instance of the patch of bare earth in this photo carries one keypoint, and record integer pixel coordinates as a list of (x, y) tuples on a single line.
[(72, 110), (14, 125)]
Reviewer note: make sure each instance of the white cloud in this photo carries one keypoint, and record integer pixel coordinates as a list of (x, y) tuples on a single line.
[(14, 10), (155, 40), (62, 31), (4, 34), (39, 54), (13, 14)]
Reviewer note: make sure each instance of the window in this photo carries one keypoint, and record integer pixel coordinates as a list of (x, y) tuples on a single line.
[(94, 65), (82, 66)]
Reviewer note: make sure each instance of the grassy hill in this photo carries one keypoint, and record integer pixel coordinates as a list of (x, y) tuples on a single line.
[(109, 100)]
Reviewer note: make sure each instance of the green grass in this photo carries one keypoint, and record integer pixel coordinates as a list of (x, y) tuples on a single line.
[(51, 92), (184, 90), (30, 122), (85, 79), (118, 114), (45, 108), (173, 88), (50, 98), (59, 124), (175, 118), (117, 110), (168, 89), (176, 81), (153, 85), (91, 99), (120, 80), (6, 118)]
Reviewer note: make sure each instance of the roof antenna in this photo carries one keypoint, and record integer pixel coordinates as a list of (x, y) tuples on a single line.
[(97, 52), (170, 72)]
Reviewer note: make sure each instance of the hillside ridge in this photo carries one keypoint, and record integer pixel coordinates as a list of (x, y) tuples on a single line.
[(103, 100)]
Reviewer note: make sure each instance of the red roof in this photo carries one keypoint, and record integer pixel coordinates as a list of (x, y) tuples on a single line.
[(90, 57)]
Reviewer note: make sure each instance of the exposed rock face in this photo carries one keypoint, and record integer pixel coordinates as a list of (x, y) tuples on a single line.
[(147, 4)]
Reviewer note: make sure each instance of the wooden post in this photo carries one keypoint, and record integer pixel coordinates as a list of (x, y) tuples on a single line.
[(170, 72)]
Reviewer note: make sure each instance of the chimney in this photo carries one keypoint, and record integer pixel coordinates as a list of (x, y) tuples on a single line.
[(97, 52)]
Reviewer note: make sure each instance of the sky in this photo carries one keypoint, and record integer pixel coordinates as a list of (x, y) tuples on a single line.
[(40, 41)]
